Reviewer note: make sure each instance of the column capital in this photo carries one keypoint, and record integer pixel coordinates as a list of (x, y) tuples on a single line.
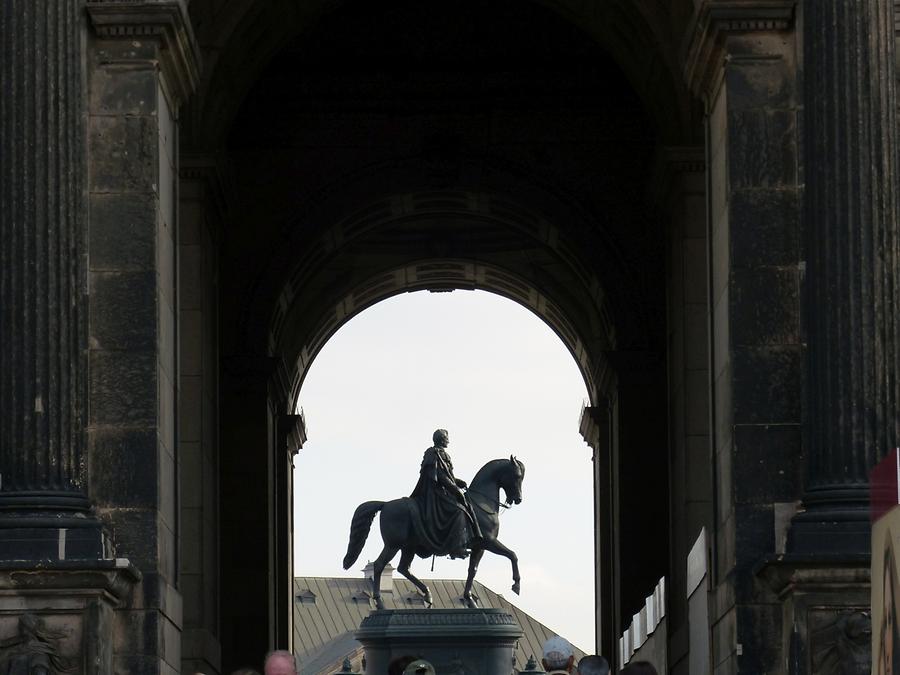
[(166, 21), (704, 50), (292, 431), (594, 422)]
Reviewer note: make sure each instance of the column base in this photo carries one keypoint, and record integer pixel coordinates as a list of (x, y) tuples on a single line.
[(826, 619), (60, 616), (844, 532), (39, 538)]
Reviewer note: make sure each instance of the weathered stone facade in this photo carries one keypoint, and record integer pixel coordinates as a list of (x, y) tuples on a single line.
[(699, 196)]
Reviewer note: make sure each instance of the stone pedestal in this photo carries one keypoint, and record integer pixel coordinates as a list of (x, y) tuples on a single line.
[(470, 641), (826, 620), (62, 618)]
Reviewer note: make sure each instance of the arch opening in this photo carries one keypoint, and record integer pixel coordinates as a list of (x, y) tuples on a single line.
[(355, 183), (493, 374)]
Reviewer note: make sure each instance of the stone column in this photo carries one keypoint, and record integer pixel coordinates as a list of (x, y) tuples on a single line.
[(852, 282), (42, 278), (42, 289)]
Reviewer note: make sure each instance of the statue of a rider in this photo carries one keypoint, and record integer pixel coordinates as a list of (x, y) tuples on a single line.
[(448, 524)]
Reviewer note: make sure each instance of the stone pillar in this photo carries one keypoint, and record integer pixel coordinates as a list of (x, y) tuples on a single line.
[(680, 181), (252, 611), (852, 295), (142, 65), (595, 428), (42, 277), (742, 62), (203, 190)]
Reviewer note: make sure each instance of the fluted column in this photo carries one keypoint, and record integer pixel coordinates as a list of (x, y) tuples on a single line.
[(852, 250), (42, 297)]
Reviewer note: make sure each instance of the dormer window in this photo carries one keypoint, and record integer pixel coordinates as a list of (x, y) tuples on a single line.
[(306, 597)]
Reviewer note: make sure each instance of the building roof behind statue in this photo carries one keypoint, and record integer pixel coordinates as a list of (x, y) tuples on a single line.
[(328, 610)]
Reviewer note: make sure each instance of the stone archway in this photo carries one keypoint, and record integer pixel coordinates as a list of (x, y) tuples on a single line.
[(158, 154), (336, 204)]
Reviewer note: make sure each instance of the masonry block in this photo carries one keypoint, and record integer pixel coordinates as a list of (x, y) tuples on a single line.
[(766, 384), (123, 388), (123, 467), (122, 232), (123, 311)]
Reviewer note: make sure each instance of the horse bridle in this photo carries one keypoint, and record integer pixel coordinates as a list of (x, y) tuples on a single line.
[(489, 498)]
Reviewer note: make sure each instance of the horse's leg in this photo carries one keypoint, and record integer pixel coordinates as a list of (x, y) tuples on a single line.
[(406, 557), (495, 546), (471, 598), (387, 554)]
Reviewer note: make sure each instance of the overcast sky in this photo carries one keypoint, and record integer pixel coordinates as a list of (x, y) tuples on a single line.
[(501, 382)]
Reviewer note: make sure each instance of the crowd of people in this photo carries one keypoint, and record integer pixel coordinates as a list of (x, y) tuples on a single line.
[(558, 658)]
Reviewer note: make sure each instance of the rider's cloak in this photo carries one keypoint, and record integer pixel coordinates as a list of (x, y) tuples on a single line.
[(445, 526)]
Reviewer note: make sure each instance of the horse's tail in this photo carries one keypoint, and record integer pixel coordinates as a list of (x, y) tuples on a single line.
[(359, 530)]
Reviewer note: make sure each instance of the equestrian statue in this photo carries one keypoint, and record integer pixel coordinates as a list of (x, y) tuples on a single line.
[(443, 516)]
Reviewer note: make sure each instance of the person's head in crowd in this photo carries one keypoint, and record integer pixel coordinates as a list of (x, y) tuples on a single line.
[(279, 662), (559, 655), (398, 665), (593, 665), (419, 667), (639, 668)]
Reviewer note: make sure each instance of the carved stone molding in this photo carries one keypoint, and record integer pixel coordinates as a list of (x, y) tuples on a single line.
[(436, 618), (825, 603), (704, 53), (840, 642), (593, 424), (166, 21), (292, 429), (62, 619)]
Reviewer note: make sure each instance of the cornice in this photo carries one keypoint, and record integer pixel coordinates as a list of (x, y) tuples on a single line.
[(704, 46), (164, 20), (292, 429)]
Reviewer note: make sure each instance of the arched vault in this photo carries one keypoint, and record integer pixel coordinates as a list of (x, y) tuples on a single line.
[(240, 39)]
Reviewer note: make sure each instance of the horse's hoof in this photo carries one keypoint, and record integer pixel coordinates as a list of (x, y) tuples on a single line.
[(378, 603), (428, 601), (515, 588)]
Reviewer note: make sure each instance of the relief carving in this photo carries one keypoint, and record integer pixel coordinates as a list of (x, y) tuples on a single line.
[(33, 651), (841, 644)]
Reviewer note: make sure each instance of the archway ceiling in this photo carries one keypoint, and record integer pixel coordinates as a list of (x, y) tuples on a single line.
[(355, 171), (323, 269), (241, 37)]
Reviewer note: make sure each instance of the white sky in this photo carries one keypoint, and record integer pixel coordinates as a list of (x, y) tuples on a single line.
[(495, 376)]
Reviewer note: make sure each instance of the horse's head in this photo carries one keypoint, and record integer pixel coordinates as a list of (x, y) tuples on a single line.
[(511, 480)]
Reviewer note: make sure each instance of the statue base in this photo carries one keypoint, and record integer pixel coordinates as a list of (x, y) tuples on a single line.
[(59, 616), (454, 641)]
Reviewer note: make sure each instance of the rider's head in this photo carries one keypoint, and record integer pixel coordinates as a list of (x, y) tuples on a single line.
[(441, 438)]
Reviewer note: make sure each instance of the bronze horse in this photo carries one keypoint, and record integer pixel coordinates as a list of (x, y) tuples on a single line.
[(399, 533)]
